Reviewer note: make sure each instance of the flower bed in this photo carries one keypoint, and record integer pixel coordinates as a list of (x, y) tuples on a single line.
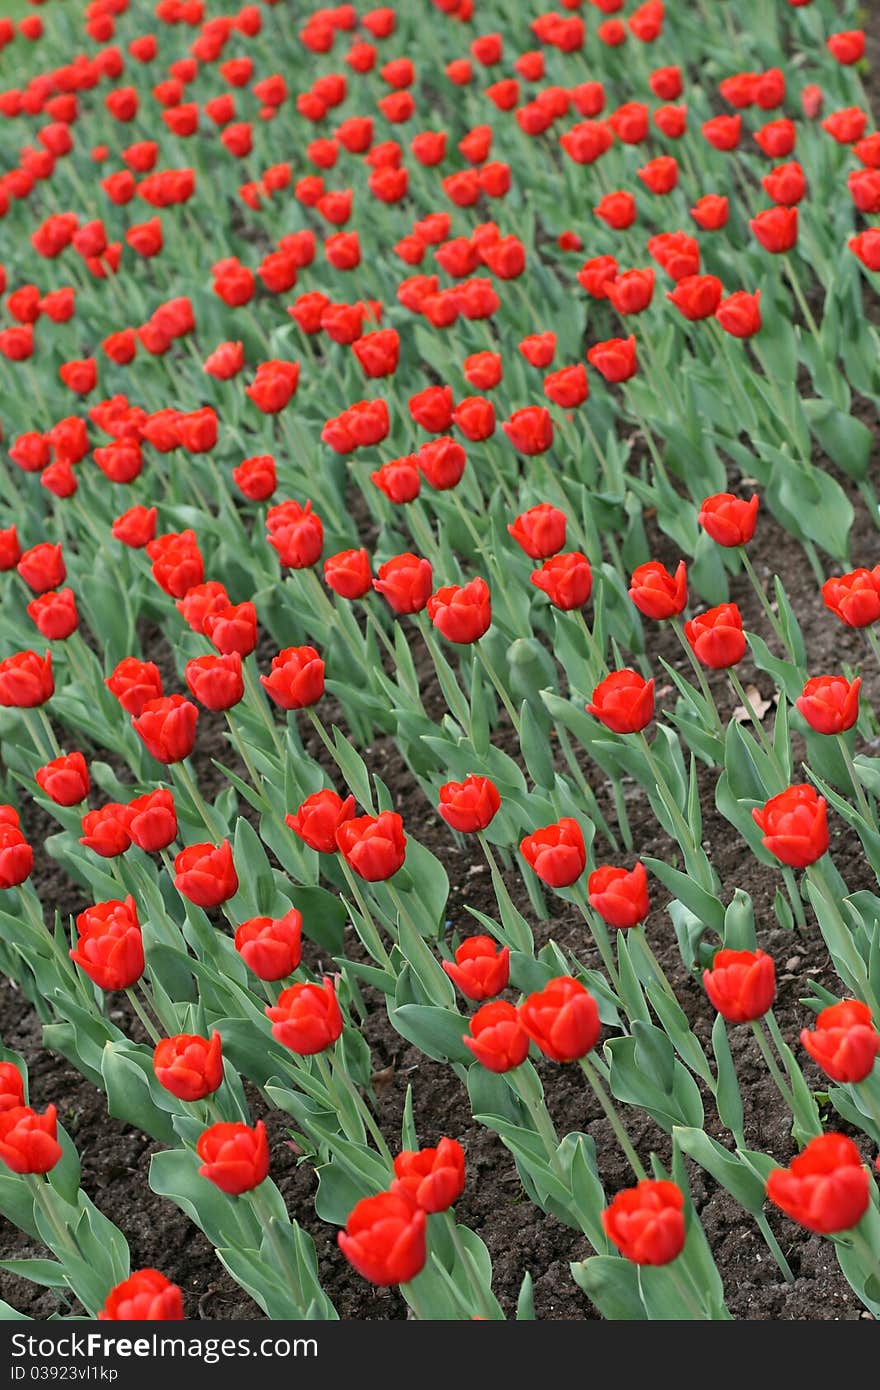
[(443, 839)]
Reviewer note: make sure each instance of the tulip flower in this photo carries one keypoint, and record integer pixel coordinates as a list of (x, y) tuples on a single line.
[(306, 1018), (65, 780), (741, 984), (830, 704), (825, 1188), (462, 613), (623, 702), (384, 1238), (567, 580), (271, 947), (373, 846), (656, 593), (188, 1066), (146, 1296), (716, 637), (167, 727), (205, 874), (109, 948), (556, 852), (152, 820), (844, 1042), (620, 896), (28, 1142), (794, 825), (540, 531), (562, 1019), (470, 805), (729, 520), (432, 1178), (481, 969), (646, 1222), (234, 1157), (319, 817), (497, 1037)]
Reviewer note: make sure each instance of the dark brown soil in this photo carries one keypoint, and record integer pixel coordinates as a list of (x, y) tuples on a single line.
[(115, 1158)]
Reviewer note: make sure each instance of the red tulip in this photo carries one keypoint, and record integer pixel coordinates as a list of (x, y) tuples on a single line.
[(562, 1019), (497, 1037), (776, 229), (307, 1017), (540, 531), (830, 704), (16, 856), (825, 1188), (205, 874), (146, 1296), (620, 896), (296, 679), (615, 359), (318, 819), (481, 970), (646, 1222), (348, 573), (167, 728), (405, 581), (215, 681), (844, 1041), (462, 613), (470, 805), (716, 637), (729, 520), (623, 702), (854, 598), (384, 1238), (741, 984), (11, 1087), (152, 820), (567, 580), (271, 946), (431, 1178), (26, 680), (556, 852), (28, 1142), (234, 1157), (530, 430), (657, 593), (64, 780), (373, 846), (188, 1066), (794, 825), (106, 831), (740, 314), (109, 948)]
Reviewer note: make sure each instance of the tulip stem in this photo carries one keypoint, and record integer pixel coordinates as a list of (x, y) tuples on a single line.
[(700, 675), (257, 701), (660, 973), (33, 728), (333, 1097), (240, 747), (465, 1260), (502, 693), (452, 691), (756, 724), (340, 1073), (599, 933), (858, 975), (414, 1301), (385, 640), (761, 592), (863, 1249), (526, 1082), (772, 1066), (864, 805), (214, 828), (682, 827), (612, 1117), (697, 1312), (592, 645), (374, 945), (143, 1016), (801, 297), (65, 1238), (872, 641)]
